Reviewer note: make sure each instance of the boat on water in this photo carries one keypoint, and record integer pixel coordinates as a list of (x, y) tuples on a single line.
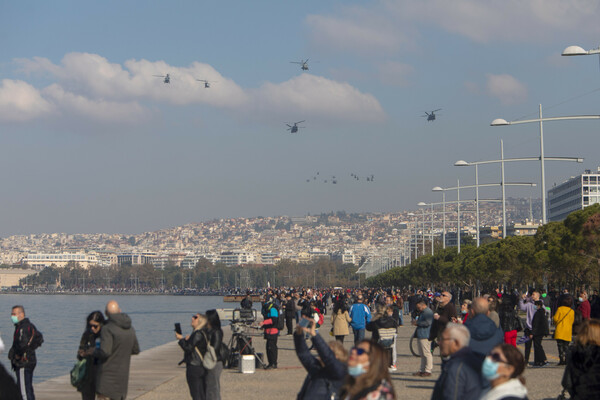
[(239, 297)]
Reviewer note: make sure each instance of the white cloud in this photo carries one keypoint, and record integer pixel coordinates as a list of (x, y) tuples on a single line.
[(506, 88), (395, 73), (94, 109), (388, 26), (314, 96), (92, 87), (19, 101)]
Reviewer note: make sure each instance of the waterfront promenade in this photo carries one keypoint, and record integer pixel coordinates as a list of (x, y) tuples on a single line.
[(156, 376)]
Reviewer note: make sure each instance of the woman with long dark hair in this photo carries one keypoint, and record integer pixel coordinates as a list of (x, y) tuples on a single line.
[(215, 337), (563, 331), (87, 345), (369, 377)]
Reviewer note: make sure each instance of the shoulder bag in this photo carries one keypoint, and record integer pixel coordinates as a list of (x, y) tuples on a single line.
[(209, 360), (78, 372)]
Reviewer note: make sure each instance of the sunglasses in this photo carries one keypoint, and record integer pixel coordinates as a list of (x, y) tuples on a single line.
[(359, 351), (194, 316), (95, 326), (497, 357)]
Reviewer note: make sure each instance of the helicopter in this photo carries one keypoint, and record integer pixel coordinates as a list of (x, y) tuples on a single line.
[(206, 83), (294, 128), (430, 116), (303, 63), (167, 78)]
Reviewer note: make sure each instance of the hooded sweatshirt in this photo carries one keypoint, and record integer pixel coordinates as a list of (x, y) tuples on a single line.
[(117, 343), (511, 389), (485, 335)]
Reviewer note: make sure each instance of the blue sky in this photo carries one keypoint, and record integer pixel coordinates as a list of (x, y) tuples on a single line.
[(92, 142)]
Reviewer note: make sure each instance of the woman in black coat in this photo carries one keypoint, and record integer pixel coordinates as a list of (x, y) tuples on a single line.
[(87, 345), (193, 344), (215, 336), (539, 329), (325, 374), (582, 374)]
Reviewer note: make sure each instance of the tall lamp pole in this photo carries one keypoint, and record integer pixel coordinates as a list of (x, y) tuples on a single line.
[(503, 122)]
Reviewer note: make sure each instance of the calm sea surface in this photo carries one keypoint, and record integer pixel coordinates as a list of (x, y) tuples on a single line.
[(61, 318)]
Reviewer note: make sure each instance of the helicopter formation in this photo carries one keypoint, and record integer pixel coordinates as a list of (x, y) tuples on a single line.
[(334, 180)]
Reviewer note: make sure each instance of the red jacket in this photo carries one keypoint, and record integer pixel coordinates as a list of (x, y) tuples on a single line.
[(585, 309)]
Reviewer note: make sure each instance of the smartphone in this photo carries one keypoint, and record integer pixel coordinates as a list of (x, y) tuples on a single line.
[(304, 323), (178, 328)]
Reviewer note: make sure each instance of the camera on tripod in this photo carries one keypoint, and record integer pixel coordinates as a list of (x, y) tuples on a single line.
[(242, 321)]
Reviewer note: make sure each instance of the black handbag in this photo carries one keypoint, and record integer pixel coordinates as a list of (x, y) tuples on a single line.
[(520, 326)]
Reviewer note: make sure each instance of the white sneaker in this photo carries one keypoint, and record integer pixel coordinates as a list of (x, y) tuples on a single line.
[(393, 368)]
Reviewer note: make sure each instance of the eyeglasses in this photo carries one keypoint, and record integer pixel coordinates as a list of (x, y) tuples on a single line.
[(497, 357), (359, 351)]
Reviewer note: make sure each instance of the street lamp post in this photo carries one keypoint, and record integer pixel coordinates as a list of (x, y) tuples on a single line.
[(503, 122), (423, 204), (578, 51)]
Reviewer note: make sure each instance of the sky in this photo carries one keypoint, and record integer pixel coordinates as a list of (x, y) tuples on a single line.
[(92, 141)]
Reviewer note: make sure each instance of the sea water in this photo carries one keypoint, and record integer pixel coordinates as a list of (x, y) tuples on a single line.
[(62, 318)]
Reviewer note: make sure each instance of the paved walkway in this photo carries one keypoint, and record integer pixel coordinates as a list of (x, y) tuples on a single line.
[(156, 376)]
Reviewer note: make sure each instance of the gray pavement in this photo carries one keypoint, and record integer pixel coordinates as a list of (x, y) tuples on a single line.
[(156, 376)]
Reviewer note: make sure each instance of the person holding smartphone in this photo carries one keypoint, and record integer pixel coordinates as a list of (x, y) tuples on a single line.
[(193, 344)]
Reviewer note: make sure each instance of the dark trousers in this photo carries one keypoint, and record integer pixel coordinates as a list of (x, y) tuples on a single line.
[(539, 355), (271, 349), (563, 348), (289, 323), (528, 346), (196, 380), (213, 382), (340, 338), (359, 335), (25, 382)]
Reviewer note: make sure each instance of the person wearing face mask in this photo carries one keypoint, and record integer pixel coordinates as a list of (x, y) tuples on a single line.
[(368, 376), (88, 343), (22, 353), (503, 368), (584, 305)]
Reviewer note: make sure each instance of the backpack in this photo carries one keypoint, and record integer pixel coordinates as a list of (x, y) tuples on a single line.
[(36, 339), (209, 360)]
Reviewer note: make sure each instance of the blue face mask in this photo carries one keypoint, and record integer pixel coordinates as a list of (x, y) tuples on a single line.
[(356, 371), (14, 319), (463, 311), (580, 299), (489, 369)]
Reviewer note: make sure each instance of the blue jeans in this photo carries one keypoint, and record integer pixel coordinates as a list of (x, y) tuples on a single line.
[(359, 335), (25, 382), (298, 315)]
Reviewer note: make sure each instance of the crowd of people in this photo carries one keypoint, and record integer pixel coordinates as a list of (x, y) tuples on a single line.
[(477, 339)]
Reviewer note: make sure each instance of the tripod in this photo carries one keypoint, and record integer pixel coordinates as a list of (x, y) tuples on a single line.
[(240, 344)]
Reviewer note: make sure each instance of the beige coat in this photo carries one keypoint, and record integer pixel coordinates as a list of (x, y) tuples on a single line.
[(340, 323)]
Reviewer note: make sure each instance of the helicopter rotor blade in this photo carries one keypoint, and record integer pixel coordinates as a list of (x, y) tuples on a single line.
[(439, 109), (299, 122)]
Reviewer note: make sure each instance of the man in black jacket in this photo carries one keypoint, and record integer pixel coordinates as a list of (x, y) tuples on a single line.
[(22, 352), (290, 312)]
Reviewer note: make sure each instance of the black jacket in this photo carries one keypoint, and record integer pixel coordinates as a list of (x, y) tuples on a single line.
[(539, 323), (323, 379), (290, 308), (88, 341), (216, 341), (196, 340), (582, 374), (508, 319), (21, 354), (382, 322), (460, 378)]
